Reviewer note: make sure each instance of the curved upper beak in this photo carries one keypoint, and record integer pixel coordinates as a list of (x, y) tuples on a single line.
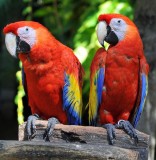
[(10, 42), (105, 33), (101, 32), (15, 45)]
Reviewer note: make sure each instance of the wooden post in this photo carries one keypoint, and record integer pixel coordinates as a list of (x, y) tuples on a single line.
[(75, 142)]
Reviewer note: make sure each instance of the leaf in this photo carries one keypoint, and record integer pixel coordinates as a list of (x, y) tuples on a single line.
[(43, 12), (27, 10)]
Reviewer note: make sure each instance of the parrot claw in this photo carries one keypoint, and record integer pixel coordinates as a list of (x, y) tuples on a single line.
[(128, 128), (30, 126), (110, 133), (50, 127)]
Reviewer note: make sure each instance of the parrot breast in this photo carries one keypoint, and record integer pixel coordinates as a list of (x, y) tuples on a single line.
[(45, 91), (121, 88)]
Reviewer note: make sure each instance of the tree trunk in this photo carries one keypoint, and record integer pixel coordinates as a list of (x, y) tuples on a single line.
[(145, 19)]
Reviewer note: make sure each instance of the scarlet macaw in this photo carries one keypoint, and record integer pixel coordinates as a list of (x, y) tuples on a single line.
[(52, 75), (119, 83)]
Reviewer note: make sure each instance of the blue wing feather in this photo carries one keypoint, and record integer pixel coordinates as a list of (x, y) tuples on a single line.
[(100, 83), (144, 88), (95, 99), (71, 103)]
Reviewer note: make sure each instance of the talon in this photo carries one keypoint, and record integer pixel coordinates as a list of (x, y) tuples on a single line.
[(128, 128), (50, 127), (110, 133), (30, 126), (29, 138)]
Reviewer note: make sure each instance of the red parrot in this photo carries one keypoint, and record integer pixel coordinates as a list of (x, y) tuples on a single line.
[(119, 83), (52, 75)]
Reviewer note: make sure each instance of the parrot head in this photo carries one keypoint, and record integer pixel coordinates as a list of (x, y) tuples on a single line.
[(22, 37), (114, 28)]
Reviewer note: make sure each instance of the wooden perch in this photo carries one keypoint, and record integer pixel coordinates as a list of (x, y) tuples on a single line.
[(75, 142)]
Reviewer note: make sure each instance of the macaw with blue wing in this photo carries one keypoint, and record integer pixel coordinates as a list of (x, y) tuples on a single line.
[(119, 82), (52, 75)]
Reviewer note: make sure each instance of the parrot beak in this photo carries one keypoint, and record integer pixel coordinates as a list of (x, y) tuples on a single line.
[(105, 33), (15, 45), (101, 32)]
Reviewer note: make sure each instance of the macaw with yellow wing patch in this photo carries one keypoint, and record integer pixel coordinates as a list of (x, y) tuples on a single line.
[(52, 75), (119, 82)]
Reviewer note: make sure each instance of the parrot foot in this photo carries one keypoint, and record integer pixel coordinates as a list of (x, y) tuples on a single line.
[(110, 132), (30, 126), (128, 128), (50, 127)]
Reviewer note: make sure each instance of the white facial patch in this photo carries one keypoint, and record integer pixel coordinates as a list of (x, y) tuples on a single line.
[(101, 31), (10, 41), (119, 26), (27, 34)]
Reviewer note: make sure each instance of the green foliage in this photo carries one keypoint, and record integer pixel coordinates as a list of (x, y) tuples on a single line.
[(19, 96), (74, 24)]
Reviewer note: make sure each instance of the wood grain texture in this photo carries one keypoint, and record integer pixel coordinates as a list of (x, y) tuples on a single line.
[(15, 150)]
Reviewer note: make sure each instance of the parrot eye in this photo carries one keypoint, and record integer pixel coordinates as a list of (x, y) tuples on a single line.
[(27, 29), (119, 21)]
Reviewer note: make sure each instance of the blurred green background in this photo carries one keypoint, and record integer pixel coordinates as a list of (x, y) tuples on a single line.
[(74, 24)]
